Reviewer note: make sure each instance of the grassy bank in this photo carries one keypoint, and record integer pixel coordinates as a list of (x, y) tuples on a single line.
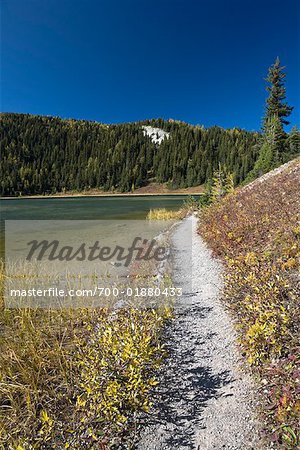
[(189, 206), (165, 214), (256, 231), (76, 378)]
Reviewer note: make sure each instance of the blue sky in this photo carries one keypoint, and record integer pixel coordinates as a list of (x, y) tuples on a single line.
[(126, 60)]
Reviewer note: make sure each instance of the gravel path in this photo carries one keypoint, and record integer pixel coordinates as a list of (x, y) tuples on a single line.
[(204, 400)]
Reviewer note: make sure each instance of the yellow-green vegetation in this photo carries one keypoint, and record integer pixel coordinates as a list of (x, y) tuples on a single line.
[(165, 214), (256, 230), (222, 184), (75, 378), (189, 205)]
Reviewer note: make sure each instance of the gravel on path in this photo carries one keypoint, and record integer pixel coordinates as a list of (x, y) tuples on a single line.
[(205, 399)]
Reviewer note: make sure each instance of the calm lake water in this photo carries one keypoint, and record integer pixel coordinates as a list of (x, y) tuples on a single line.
[(84, 208)]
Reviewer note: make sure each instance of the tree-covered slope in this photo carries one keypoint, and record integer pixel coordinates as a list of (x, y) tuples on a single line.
[(43, 155)]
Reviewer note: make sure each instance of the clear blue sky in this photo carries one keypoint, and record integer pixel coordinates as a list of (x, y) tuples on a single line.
[(201, 61)]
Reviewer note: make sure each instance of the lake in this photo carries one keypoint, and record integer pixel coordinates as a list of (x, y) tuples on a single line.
[(75, 208), (75, 221), (84, 208)]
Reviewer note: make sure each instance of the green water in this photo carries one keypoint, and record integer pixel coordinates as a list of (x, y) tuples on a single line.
[(83, 208)]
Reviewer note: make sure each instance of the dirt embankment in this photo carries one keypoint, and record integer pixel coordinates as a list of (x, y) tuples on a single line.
[(151, 189)]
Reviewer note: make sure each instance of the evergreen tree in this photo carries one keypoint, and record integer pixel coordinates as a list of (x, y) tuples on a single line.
[(294, 141), (221, 185), (276, 138), (274, 148), (265, 162), (44, 155), (275, 103)]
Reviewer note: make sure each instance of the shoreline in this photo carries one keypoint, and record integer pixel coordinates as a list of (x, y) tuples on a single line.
[(105, 195)]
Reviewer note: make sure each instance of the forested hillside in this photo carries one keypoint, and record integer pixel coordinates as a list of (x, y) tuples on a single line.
[(44, 155)]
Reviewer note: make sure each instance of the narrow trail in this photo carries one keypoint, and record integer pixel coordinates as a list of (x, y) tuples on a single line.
[(204, 400)]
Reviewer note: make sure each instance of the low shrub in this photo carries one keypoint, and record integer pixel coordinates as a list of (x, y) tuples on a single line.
[(256, 230), (75, 378)]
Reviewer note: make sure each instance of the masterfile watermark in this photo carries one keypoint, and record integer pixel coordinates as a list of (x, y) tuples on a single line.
[(146, 251), (87, 263)]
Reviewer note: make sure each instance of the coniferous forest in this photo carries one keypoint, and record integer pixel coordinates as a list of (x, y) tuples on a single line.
[(43, 155), (48, 155)]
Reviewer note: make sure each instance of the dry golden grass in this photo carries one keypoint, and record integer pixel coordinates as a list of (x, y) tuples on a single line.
[(165, 214), (74, 378)]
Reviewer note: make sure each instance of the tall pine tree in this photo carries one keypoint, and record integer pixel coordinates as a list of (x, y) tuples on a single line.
[(276, 106), (274, 147)]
